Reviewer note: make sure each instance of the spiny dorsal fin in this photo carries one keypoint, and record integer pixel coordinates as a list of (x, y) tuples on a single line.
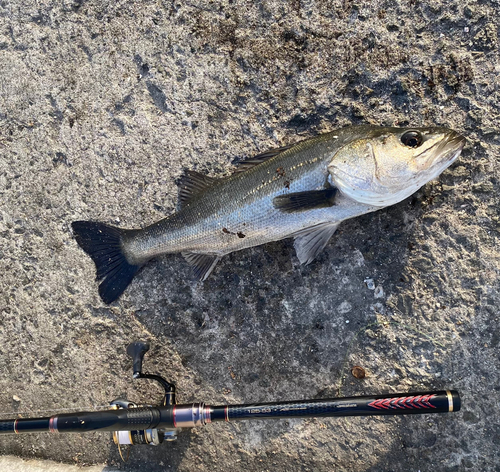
[(192, 183), (246, 164), (308, 244), (302, 201), (203, 264)]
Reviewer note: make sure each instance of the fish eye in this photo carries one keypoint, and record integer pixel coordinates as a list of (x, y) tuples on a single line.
[(412, 139)]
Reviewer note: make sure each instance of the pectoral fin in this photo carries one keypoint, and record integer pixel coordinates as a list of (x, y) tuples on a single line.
[(301, 201), (309, 243), (203, 264)]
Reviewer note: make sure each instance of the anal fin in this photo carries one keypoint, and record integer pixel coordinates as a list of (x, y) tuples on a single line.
[(302, 201), (203, 264), (309, 243)]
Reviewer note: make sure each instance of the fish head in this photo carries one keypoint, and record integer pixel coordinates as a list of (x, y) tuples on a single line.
[(383, 166)]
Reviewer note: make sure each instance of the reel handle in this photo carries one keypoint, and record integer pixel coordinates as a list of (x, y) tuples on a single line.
[(136, 351)]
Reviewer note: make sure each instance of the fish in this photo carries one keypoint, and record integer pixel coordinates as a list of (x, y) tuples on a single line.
[(301, 191)]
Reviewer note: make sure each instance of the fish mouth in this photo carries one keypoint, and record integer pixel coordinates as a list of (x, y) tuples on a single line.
[(442, 154)]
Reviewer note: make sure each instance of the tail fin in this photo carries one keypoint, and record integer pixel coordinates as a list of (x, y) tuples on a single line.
[(103, 244)]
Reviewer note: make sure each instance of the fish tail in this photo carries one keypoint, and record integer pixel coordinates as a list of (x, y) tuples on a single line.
[(103, 244)]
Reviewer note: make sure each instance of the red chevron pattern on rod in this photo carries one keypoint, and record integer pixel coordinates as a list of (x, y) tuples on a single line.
[(419, 401)]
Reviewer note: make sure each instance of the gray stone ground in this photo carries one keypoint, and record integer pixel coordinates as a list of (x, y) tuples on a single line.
[(103, 104), (16, 464)]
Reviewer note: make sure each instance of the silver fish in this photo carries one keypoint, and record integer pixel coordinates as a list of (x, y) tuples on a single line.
[(302, 191)]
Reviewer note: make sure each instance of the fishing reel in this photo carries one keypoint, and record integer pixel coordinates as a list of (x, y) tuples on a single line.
[(155, 436)]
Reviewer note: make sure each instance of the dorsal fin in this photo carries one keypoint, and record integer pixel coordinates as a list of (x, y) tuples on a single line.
[(192, 183), (246, 164)]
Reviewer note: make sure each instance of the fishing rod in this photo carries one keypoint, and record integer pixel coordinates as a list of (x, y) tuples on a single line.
[(134, 424)]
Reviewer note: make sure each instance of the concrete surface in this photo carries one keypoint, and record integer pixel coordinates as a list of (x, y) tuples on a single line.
[(103, 104), (16, 464)]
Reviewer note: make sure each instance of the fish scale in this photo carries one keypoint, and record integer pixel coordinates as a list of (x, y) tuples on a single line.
[(243, 203)]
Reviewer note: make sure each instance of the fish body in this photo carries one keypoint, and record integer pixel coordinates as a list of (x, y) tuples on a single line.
[(302, 191)]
